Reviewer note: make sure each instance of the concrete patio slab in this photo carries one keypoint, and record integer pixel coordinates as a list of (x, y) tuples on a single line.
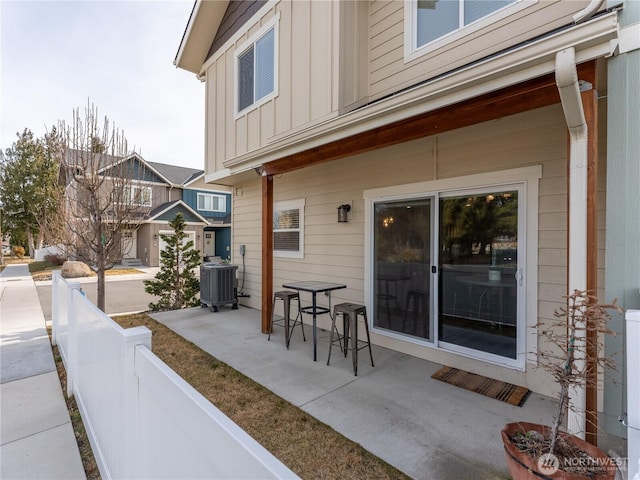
[(424, 427)]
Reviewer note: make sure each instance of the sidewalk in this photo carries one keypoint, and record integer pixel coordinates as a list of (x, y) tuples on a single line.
[(37, 440)]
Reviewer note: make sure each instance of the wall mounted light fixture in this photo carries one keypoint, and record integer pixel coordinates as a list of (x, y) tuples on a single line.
[(342, 213)]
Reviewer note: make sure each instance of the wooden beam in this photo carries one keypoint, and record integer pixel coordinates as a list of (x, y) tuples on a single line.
[(535, 93), (590, 105), (526, 96), (267, 251)]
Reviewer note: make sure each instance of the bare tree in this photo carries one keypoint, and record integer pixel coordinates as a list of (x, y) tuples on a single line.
[(106, 191)]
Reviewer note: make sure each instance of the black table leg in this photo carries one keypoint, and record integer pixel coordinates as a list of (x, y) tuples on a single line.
[(314, 325)]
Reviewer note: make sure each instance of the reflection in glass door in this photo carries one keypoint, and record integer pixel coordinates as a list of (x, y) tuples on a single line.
[(402, 264), (478, 299)]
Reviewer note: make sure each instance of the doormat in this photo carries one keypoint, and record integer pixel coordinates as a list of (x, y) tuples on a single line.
[(489, 387)]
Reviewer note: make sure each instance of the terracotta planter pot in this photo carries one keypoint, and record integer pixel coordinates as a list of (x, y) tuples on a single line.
[(523, 467)]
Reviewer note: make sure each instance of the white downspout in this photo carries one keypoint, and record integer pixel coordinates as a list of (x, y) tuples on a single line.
[(567, 83), (587, 12)]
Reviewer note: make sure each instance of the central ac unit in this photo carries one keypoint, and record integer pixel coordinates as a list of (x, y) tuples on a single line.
[(218, 286)]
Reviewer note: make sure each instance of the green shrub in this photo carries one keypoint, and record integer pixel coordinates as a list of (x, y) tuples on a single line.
[(55, 259)]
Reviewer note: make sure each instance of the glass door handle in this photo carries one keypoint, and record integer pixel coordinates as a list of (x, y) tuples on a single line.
[(519, 276)]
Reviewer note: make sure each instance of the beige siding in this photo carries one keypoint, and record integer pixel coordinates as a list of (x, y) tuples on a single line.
[(312, 82), (174, 194), (305, 82), (389, 72), (335, 251), (143, 243)]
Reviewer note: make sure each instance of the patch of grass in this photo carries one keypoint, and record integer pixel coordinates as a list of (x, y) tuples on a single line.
[(13, 260), (43, 266), (307, 446), (41, 271)]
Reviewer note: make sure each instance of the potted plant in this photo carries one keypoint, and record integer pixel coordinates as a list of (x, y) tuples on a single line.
[(536, 451)]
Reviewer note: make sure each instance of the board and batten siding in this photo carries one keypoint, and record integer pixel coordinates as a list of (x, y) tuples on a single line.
[(305, 81), (389, 71), (335, 251)]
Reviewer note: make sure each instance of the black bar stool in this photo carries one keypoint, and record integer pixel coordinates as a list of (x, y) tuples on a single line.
[(286, 296), (420, 302), (350, 313)]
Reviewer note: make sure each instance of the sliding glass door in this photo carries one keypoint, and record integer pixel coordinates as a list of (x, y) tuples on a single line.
[(402, 265), (462, 295), (478, 266)]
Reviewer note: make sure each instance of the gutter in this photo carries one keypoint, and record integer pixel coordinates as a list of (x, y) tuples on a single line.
[(569, 90)]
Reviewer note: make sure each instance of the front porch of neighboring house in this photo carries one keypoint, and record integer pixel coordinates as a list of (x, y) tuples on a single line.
[(424, 427)]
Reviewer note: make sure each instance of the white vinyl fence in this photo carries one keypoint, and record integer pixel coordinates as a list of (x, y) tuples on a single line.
[(143, 420), (633, 392)]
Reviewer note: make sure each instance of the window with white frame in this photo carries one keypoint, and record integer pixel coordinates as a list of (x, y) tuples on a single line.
[(428, 21), (256, 68), (288, 229), (139, 195), (210, 202)]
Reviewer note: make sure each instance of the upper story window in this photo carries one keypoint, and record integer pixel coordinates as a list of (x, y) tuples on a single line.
[(436, 22), (139, 195), (256, 68), (210, 202), (288, 229), (435, 19)]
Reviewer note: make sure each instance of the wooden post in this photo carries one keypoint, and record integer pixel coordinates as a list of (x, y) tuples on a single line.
[(590, 105), (267, 250)]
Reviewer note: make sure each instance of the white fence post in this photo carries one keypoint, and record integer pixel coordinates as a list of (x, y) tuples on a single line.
[(133, 338), (72, 313), (633, 393), (55, 306)]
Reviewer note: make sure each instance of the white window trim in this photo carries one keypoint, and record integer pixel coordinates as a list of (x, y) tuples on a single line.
[(272, 23), (290, 205), (529, 178), (203, 194), (145, 188), (411, 49)]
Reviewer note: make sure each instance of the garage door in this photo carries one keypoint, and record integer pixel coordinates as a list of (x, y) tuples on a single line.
[(188, 236)]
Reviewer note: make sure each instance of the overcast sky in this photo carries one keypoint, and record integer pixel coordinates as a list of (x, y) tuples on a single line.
[(57, 55)]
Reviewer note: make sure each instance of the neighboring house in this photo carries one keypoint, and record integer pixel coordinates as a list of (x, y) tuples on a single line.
[(206, 202), (164, 191), (467, 138), (214, 205)]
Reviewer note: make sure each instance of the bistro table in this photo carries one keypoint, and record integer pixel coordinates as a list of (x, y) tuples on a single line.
[(314, 288)]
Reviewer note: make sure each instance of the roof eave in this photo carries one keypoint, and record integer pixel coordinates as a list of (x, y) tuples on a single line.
[(199, 34)]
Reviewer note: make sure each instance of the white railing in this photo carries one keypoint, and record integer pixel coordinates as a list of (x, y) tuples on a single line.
[(633, 393), (142, 419)]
